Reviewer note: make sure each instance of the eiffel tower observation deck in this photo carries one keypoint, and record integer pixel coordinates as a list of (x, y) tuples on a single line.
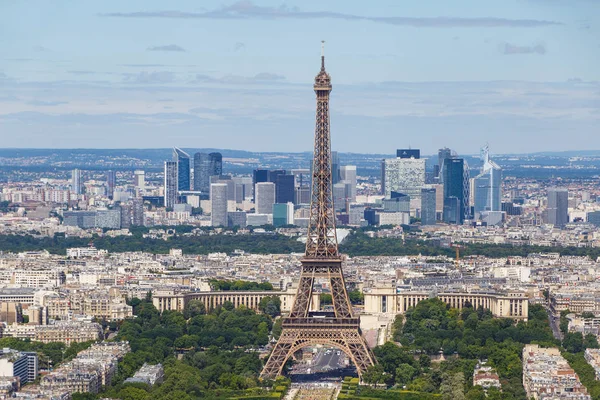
[(321, 261)]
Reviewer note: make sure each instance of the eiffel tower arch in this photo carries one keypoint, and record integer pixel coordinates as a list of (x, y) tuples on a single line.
[(340, 329)]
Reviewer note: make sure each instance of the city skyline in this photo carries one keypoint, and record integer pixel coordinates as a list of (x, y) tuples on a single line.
[(514, 75)]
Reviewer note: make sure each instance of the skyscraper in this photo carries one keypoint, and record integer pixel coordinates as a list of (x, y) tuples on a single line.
[(456, 190), (428, 206), (139, 180), (76, 182), (243, 187), (218, 201), (335, 167), (205, 166), (260, 175), (340, 196), (283, 214), (284, 188), (408, 153), (443, 154), (558, 206), (216, 163), (404, 175), (138, 212), (183, 169), (488, 185), (202, 172), (265, 197), (170, 184), (111, 180), (302, 195), (348, 174)]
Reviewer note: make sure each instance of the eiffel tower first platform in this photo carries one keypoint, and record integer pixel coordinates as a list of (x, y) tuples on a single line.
[(322, 260)]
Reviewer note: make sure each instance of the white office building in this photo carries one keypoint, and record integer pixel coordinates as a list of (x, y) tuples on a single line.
[(218, 199), (404, 175), (265, 197)]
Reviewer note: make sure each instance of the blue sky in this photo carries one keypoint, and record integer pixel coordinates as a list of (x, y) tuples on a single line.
[(520, 74)]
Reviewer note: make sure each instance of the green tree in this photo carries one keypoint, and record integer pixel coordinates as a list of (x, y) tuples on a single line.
[(405, 373), (573, 342), (356, 297), (397, 327), (452, 387), (325, 299), (591, 341), (193, 308), (270, 305), (132, 393), (424, 361), (476, 393), (374, 375)]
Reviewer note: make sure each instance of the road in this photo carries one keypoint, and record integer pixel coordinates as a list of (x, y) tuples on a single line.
[(328, 360), (327, 365), (554, 324)]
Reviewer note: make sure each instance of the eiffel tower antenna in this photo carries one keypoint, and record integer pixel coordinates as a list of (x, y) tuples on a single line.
[(321, 259)]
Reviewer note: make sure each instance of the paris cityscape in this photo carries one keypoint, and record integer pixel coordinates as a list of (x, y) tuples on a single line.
[(288, 236)]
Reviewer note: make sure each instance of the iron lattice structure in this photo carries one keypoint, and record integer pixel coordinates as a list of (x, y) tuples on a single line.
[(321, 261)]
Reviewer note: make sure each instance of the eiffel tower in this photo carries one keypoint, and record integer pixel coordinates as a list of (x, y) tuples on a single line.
[(340, 329)]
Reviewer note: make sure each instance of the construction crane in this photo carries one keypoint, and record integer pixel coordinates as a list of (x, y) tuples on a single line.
[(457, 247)]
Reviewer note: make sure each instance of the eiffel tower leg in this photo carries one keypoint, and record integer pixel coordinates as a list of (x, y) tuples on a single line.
[(360, 353), (279, 356)]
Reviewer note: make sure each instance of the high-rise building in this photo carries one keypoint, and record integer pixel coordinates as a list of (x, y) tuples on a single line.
[(170, 194), (139, 181), (231, 185), (456, 190), (302, 176), (284, 188), (260, 175), (202, 172), (356, 214), (348, 175), (443, 154), (111, 180), (404, 175), (488, 186), (126, 215), (218, 201), (273, 174), (335, 167), (243, 187), (398, 202), (593, 218), (428, 206), (216, 163), (205, 166), (138, 212), (558, 206), (340, 196), (283, 214), (265, 197), (302, 195), (408, 153), (183, 169), (76, 182)]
